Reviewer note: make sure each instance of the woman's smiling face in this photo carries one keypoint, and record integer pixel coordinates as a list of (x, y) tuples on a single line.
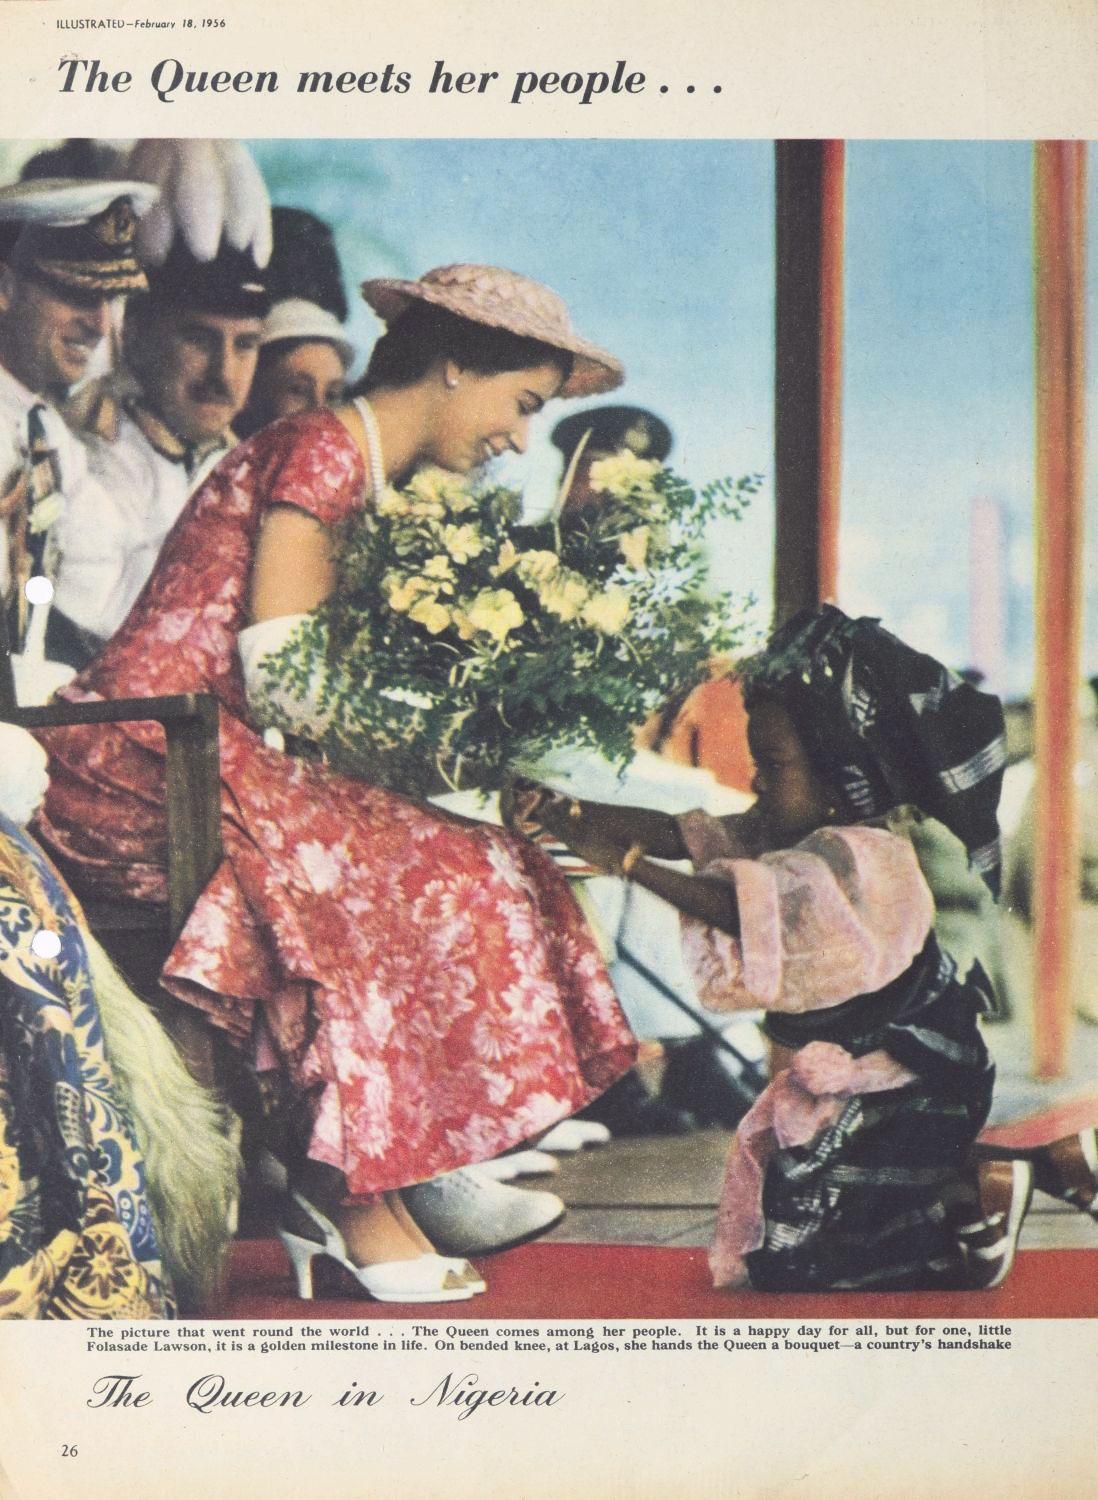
[(482, 416)]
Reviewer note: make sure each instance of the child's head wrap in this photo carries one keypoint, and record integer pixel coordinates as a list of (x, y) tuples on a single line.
[(886, 725)]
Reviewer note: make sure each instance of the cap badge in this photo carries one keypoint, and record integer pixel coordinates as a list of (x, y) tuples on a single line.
[(114, 227)]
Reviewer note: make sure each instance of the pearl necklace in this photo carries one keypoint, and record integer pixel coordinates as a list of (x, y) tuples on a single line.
[(373, 447)]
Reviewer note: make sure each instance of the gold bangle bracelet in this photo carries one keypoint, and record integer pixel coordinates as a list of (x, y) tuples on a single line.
[(632, 855)]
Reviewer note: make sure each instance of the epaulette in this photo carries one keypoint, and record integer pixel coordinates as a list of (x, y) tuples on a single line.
[(94, 411)]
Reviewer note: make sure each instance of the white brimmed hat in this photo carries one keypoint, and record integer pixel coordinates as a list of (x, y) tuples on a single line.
[(76, 232), (503, 299), (295, 318)]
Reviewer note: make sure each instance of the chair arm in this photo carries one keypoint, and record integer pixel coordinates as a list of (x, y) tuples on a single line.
[(193, 779)]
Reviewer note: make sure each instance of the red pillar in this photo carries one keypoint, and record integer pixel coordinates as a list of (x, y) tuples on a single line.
[(1059, 226), (808, 372)]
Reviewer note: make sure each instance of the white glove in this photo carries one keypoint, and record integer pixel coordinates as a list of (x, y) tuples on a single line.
[(280, 709), (36, 679), (23, 774), (274, 706), (649, 780)]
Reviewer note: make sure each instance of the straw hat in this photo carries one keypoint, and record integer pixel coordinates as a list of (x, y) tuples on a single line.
[(503, 299)]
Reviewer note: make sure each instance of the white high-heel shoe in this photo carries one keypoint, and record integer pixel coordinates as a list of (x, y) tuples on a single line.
[(426, 1278), (467, 1213)]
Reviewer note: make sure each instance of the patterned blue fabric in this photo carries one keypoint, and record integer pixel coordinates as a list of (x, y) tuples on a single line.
[(76, 1234)]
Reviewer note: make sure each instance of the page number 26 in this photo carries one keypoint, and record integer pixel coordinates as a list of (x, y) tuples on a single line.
[(69, 1450)]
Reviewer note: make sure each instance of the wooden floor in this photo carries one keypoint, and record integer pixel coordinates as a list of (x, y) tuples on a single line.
[(664, 1190)]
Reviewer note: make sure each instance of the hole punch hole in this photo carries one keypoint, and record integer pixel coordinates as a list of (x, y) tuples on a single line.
[(45, 944), (39, 590)]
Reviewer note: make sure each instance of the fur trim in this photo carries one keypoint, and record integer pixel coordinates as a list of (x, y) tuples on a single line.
[(188, 1137)]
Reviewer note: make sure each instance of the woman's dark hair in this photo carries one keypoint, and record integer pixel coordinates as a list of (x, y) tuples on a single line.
[(424, 334)]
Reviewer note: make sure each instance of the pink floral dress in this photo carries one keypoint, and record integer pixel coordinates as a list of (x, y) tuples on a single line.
[(430, 986)]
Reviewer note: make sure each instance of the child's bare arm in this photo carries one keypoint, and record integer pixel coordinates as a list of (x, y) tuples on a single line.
[(699, 896), (572, 821), (627, 841)]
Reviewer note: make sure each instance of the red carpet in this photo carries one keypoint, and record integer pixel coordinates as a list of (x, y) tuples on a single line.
[(640, 1281), (1062, 1119)]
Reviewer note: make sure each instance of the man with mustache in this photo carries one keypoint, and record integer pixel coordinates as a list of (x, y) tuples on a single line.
[(66, 247), (190, 346)]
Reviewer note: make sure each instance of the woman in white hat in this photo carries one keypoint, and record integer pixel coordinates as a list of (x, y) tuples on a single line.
[(304, 357), (427, 986)]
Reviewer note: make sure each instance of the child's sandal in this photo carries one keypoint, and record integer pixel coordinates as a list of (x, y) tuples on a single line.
[(989, 1242), (1068, 1169)]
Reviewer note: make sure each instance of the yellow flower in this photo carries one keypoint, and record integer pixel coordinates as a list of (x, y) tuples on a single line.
[(392, 503), (507, 558), (402, 596), (621, 474), (537, 567), (432, 615), (634, 546), (438, 567), (462, 542), (608, 611), (458, 500), (496, 612), (563, 596), (434, 491), (426, 485), (403, 592)]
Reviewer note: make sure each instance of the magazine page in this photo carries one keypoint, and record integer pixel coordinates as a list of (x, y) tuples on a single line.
[(635, 158)]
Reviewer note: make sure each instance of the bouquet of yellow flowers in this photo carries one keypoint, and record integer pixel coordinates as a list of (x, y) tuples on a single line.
[(461, 643)]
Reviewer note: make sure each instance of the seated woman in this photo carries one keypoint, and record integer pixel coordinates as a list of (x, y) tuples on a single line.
[(857, 1167), (427, 985), (104, 1211)]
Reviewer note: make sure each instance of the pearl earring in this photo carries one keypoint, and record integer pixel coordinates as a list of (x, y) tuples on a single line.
[(451, 382)]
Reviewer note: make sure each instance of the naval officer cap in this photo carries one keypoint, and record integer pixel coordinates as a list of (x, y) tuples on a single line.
[(612, 428), (77, 234)]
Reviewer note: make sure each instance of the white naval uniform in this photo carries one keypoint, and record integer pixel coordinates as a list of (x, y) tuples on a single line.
[(110, 548), (78, 489)]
